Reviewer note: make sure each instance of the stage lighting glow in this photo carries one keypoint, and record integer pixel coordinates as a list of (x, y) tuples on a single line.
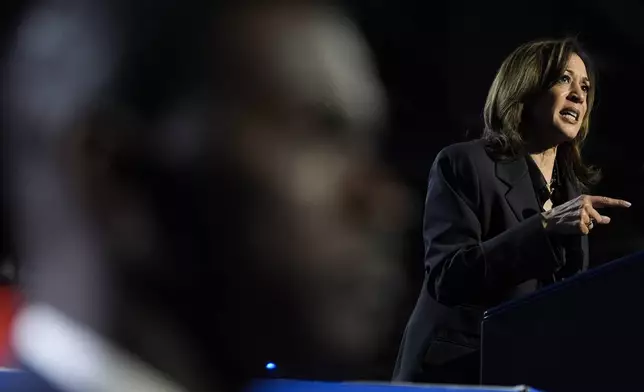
[(270, 366)]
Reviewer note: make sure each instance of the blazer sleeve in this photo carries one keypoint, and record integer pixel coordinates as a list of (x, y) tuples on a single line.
[(460, 265)]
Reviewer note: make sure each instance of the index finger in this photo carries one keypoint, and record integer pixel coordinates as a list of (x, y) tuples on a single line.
[(603, 201)]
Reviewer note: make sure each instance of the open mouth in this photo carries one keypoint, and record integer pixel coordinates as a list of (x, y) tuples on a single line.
[(571, 114)]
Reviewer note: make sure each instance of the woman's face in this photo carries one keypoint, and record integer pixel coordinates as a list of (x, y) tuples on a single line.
[(560, 111)]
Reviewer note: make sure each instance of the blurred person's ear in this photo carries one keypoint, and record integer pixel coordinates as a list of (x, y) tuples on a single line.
[(101, 157)]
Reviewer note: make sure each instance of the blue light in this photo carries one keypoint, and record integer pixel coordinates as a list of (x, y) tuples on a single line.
[(270, 366)]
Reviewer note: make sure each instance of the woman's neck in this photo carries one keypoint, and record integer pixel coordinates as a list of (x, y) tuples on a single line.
[(542, 148), (545, 161)]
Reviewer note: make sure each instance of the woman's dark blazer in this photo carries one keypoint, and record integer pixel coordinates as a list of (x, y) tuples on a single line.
[(484, 244)]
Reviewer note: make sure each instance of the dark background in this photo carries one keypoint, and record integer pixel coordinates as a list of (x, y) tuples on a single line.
[(437, 62)]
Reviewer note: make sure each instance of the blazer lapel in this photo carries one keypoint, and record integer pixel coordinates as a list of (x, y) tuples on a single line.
[(520, 194)]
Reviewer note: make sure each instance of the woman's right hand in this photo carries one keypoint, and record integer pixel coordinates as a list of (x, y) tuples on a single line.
[(579, 215)]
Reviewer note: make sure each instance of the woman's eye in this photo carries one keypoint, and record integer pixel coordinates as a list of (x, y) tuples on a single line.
[(585, 88), (564, 79)]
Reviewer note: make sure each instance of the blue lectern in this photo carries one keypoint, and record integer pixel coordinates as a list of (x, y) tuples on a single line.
[(582, 334)]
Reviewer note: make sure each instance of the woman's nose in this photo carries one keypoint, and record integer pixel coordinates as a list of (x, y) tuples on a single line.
[(576, 94)]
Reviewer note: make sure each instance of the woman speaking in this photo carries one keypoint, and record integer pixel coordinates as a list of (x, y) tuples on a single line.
[(505, 215)]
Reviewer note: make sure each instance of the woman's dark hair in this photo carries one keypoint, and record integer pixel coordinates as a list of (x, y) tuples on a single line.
[(527, 72)]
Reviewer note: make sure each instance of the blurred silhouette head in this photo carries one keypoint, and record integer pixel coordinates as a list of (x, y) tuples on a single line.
[(203, 189)]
